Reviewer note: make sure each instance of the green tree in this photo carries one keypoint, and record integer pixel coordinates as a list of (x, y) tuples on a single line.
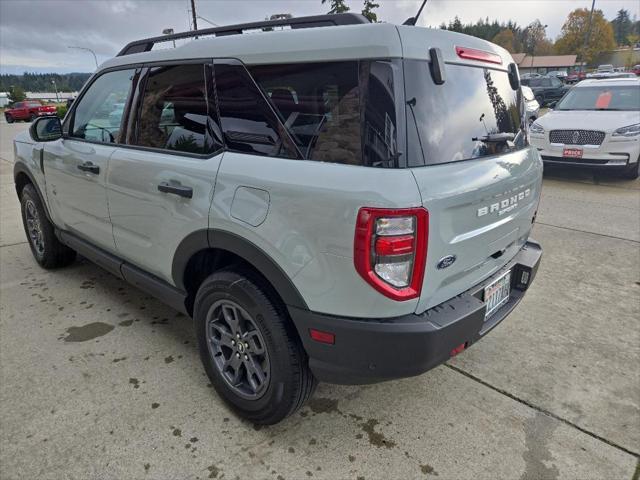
[(368, 10), (622, 27), (16, 94), (574, 31), (337, 6), (533, 37)]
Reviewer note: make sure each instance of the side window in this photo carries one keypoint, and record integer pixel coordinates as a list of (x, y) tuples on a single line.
[(98, 115), (173, 112), (248, 122), (319, 104), (545, 82)]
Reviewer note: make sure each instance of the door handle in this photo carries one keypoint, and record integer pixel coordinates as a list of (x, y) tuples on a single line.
[(176, 189), (89, 167)]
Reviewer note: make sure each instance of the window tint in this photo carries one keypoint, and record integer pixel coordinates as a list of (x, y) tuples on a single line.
[(248, 123), (99, 112), (535, 82), (475, 113), (341, 112), (174, 114)]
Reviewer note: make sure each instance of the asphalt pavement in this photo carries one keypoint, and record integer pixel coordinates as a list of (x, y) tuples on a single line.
[(100, 381)]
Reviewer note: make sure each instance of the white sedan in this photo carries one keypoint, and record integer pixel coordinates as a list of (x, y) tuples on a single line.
[(597, 123)]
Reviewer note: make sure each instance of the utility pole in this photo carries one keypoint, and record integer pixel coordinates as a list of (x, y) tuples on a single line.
[(586, 36), (194, 15)]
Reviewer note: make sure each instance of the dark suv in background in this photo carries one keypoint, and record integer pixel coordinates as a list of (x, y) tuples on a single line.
[(546, 89)]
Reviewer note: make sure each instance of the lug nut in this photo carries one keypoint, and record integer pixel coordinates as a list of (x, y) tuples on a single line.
[(233, 342), (246, 345), (237, 335), (237, 355), (246, 357)]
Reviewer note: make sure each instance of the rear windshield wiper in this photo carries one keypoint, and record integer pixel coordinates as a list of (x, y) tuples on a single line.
[(495, 138)]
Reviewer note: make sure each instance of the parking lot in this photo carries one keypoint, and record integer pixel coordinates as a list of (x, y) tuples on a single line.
[(99, 380)]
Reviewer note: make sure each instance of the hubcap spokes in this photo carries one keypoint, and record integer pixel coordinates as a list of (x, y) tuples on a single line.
[(33, 227), (238, 349)]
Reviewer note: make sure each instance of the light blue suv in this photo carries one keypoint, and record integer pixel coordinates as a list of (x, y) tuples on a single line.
[(329, 200)]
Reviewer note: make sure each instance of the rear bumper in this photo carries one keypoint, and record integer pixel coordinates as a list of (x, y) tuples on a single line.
[(375, 350)]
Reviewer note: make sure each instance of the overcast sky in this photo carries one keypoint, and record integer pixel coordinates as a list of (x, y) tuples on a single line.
[(35, 34)]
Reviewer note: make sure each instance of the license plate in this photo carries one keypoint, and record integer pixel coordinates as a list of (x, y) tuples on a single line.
[(572, 153), (497, 294)]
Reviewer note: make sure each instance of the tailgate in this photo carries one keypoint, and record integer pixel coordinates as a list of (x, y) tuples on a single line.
[(480, 212)]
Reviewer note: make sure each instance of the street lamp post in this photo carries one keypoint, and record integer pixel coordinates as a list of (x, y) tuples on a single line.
[(55, 87), (95, 59)]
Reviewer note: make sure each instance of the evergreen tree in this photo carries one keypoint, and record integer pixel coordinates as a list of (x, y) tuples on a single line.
[(622, 27), (16, 94), (368, 10), (337, 6)]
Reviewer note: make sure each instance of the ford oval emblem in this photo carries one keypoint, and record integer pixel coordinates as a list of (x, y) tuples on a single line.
[(446, 261)]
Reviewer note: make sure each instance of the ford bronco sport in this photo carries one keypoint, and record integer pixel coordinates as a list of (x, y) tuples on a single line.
[(346, 202)]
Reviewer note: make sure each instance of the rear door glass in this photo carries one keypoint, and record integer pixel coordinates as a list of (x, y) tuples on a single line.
[(174, 112), (248, 123)]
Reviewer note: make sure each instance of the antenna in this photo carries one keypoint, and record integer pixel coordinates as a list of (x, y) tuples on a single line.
[(414, 20)]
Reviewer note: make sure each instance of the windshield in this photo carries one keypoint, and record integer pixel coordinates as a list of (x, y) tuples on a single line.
[(605, 97), (475, 113)]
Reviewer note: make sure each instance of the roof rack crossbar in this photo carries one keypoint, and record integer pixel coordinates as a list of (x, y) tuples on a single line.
[(146, 44)]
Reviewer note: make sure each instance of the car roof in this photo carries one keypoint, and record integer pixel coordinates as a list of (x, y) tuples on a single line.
[(325, 43), (608, 82)]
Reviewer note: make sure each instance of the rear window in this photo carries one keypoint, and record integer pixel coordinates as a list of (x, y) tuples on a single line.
[(475, 113), (601, 98)]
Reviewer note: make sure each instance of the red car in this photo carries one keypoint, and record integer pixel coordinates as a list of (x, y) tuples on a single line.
[(575, 77), (28, 110), (636, 70)]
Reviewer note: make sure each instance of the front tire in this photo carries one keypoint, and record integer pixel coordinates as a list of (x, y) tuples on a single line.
[(632, 171), (8, 118), (33, 117), (249, 348), (45, 246)]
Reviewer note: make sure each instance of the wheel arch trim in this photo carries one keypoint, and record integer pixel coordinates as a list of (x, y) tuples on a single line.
[(243, 248), (20, 168)]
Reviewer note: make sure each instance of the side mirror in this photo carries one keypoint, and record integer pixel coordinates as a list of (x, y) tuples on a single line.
[(552, 104), (46, 129), (514, 76)]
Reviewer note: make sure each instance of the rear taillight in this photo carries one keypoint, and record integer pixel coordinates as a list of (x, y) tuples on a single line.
[(390, 250)]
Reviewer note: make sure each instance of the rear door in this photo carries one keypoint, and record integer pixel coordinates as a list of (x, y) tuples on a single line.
[(76, 166), (480, 181), (160, 186)]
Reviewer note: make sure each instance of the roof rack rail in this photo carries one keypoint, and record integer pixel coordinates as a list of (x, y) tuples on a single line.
[(146, 44)]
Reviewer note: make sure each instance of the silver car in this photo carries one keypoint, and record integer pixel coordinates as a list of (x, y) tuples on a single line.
[(531, 105), (337, 201)]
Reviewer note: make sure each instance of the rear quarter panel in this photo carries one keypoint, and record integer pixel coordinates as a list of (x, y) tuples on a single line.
[(310, 224)]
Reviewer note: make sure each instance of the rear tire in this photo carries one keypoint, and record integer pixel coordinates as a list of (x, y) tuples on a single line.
[(540, 100), (32, 117), (8, 118), (48, 251), (265, 379)]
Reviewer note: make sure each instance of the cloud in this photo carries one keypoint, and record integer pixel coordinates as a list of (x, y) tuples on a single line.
[(35, 34)]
